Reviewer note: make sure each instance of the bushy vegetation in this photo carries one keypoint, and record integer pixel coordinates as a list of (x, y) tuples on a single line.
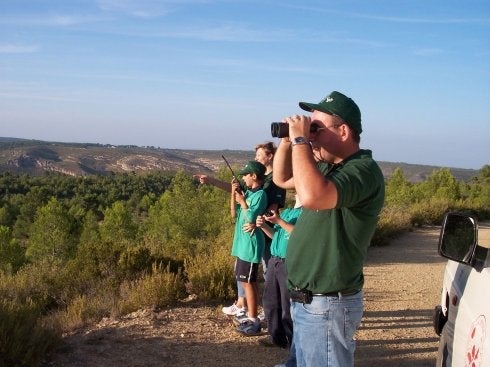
[(415, 204), (76, 249)]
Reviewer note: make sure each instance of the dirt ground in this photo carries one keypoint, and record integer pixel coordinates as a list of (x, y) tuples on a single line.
[(402, 286)]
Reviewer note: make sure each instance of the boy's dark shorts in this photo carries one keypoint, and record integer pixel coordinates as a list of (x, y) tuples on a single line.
[(246, 271)]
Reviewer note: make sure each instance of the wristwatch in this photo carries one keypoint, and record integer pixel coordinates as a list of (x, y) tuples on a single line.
[(299, 140)]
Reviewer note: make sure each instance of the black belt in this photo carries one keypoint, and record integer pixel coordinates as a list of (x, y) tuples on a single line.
[(348, 292), (306, 296)]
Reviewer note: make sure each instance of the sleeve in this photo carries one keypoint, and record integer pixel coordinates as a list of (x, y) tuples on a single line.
[(355, 183)]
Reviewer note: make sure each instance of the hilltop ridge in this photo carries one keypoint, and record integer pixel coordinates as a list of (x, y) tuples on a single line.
[(35, 157)]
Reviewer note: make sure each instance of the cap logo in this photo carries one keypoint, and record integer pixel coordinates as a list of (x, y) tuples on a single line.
[(329, 99)]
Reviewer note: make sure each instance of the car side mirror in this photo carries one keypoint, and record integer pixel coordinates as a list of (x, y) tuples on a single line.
[(458, 241), (458, 237)]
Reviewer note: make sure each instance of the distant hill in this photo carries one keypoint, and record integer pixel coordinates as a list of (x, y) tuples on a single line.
[(35, 157)]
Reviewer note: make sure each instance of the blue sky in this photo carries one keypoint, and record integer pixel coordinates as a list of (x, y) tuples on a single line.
[(205, 74)]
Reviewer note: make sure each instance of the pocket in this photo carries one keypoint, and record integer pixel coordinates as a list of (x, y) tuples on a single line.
[(352, 320), (317, 307)]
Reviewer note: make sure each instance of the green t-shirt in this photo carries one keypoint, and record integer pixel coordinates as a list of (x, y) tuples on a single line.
[(327, 248), (281, 236), (245, 246), (275, 194)]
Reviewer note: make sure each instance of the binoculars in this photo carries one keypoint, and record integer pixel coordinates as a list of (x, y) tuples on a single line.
[(281, 129)]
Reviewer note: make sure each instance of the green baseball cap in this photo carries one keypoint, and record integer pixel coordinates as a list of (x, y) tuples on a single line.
[(253, 167), (338, 104)]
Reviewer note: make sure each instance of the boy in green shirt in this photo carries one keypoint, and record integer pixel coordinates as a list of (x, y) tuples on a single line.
[(248, 246), (276, 298)]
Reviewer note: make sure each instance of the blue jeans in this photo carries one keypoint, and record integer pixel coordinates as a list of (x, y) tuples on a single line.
[(324, 330)]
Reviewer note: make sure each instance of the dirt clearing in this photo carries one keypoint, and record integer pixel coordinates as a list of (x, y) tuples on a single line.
[(402, 286)]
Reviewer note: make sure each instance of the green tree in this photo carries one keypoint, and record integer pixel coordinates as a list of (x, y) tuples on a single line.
[(398, 189), (478, 190), (183, 215), (11, 253), (8, 214), (90, 228), (441, 184), (485, 173), (118, 224), (51, 235)]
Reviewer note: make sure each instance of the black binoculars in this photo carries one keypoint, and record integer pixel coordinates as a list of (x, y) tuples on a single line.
[(281, 129)]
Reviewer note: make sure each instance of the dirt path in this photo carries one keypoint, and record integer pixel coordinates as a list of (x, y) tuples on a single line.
[(403, 283)]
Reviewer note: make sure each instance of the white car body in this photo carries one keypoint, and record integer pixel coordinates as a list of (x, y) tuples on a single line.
[(466, 294), (465, 310)]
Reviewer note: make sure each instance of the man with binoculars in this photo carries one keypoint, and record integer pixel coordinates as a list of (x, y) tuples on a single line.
[(328, 246)]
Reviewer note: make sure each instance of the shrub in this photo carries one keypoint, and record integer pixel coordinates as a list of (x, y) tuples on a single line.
[(134, 260), (430, 212), (85, 309), (157, 289), (24, 340), (392, 221), (39, 284), (211, 274)]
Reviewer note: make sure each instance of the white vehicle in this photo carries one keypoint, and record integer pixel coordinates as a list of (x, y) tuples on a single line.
[(463, 318)]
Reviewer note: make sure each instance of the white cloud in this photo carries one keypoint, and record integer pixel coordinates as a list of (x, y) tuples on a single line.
[(427, 51), (18, 49), (63, 20), (393, 19), (229, 31), (424, 20), (141, 8)]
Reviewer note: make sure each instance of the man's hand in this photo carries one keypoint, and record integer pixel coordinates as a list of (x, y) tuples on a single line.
[(203, 179), (299, 125)]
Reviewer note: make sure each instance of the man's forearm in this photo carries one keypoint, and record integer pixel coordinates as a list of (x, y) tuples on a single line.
[(314, 191), (282, 173), (219, 184)]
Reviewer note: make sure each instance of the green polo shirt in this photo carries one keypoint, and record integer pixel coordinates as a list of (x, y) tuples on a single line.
[(327, 248), (245, 246), (281, 236)]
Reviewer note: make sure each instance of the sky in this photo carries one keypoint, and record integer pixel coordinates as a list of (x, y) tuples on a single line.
[(213, 74)]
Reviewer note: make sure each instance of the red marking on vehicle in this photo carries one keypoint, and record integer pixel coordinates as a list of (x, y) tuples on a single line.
[(476, 339)]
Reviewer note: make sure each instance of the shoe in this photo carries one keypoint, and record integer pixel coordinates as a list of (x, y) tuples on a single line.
[(233, 310), (261, 316), (268, 342), (239, 318), (249, 328)]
